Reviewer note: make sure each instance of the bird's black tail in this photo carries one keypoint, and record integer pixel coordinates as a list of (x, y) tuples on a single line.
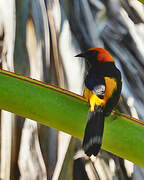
[(94, 131)]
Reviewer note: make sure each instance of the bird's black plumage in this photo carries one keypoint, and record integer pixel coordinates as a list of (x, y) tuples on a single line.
[(102, 90)]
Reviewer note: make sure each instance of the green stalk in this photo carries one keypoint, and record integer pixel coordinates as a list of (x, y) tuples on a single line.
[(142, 1), (68, 112)]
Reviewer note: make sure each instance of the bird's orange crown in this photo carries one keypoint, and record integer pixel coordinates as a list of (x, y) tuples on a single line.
[(103, 55)]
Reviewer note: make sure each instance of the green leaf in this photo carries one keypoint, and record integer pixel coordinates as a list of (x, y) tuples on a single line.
[(68, 112), (142, 1)]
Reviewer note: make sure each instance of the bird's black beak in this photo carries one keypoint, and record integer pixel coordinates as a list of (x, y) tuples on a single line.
[(80, 55), (85, 54)]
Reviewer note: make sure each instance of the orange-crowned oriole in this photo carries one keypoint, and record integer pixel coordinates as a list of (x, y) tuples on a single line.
[(102, 90)]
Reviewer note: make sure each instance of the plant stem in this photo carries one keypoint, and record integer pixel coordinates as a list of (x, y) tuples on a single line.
[(68, 112)]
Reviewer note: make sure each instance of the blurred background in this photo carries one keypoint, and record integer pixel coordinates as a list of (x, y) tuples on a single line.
[(39, 39)]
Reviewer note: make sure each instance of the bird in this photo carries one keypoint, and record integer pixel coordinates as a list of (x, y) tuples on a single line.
[(102, 89)]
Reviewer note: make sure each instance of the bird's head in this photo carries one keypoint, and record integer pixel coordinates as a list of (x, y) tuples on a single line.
[(96, 56)]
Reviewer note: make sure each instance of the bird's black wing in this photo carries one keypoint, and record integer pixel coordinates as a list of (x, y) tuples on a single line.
[(95, 125), (96, 84)]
